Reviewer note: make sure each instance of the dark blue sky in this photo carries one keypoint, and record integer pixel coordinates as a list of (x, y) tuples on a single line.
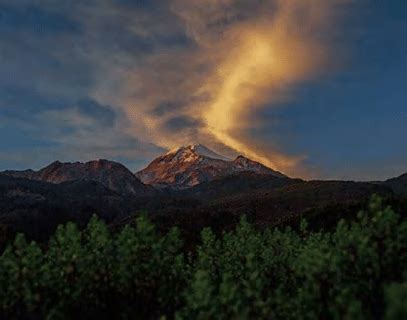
[(353, 123), (57, 59)]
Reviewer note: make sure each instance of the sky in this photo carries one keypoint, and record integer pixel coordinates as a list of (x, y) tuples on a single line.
[(316, 89)]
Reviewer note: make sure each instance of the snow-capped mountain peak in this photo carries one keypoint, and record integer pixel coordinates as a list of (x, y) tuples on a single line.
[(192, 152), (190, 165), (204, 151)]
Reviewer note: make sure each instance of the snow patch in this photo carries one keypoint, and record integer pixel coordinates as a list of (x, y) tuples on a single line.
[(204, 151)]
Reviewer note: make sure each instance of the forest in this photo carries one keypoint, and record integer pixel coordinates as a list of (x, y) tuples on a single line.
[(356, 270)]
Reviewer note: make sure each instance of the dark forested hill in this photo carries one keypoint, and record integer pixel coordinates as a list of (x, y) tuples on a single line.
[(398, 185), (36, 207)]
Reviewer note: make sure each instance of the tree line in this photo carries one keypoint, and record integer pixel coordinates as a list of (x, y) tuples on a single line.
[(356, 271)]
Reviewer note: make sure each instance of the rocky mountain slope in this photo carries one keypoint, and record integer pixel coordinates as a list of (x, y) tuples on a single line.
[(111, 174), (191, 165)]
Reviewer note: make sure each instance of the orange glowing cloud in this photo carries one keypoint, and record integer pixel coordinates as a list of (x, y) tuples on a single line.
[(245, 54)]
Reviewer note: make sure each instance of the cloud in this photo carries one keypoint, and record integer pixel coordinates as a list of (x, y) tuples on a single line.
[(54, 53), (176, 72), (241, 57), (82, 132), (89, 135)]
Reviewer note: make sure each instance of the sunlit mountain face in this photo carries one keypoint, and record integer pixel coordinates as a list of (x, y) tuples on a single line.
[(313, 89), (194, 164)]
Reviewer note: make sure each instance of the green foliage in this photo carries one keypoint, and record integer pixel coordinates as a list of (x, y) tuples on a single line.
[(354, 272), (396, 301)]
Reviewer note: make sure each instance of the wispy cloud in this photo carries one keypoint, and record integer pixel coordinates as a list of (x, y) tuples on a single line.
[(175, 72), (240, 57)]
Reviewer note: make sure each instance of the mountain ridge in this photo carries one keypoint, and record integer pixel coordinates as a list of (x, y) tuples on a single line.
[(111, 174), (191, 165), (28, 204)]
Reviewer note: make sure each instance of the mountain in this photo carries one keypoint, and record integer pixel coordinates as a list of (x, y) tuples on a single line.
[(264, 200), (37, 208), (203, 189), (398, 185), (110, 174), (194, 164), (203, 151), (238, 183)]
